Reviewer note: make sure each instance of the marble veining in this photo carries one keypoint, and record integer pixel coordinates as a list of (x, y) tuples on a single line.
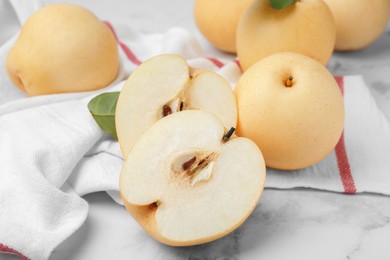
[(287, 224)]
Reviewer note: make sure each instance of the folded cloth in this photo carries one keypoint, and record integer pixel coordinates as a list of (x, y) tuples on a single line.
[(52, 152)]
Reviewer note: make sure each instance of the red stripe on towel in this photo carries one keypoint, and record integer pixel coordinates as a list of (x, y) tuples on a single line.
[(8, 250), (216, 62), (238, 64), (130, 55), (342, 157)]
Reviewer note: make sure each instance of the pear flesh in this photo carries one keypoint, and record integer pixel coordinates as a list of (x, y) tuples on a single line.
[(194, 204)]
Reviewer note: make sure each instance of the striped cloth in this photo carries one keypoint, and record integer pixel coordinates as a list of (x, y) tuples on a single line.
[(52, 152)]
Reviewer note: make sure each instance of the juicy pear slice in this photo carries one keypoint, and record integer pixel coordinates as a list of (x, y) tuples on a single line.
[(185, 186), (163, 85)]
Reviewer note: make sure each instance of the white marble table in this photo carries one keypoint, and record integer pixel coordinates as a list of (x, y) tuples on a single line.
[(296, 224)]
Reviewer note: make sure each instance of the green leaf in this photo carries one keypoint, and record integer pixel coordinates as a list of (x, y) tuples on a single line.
[(102, 108), (280, 4)]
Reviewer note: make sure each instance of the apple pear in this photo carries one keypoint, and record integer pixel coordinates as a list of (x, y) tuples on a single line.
[(358, 23), (63, 48), (217, 20), (305, 26), (186, 183), (166, 84), (291, 106)]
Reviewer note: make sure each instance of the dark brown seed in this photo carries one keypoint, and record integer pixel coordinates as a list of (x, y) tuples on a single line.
[(181, 106), (185, 166), (202, 161), (166, 110)]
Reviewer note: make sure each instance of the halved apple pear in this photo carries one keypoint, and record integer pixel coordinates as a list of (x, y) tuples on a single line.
[(185, 184), (163, 85)]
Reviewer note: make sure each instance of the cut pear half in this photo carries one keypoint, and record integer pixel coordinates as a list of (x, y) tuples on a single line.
[(186, 185), (163, 85)]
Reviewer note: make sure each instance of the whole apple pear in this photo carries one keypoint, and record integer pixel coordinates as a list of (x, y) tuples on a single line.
[(217, 20), (358, 23), (292, 108), (305, 26), (63, 48)]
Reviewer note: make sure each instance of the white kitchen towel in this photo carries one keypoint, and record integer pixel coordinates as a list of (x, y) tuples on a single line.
[(52, 152)]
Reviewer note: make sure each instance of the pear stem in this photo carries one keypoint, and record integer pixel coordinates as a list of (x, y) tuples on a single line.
[(289, 82), (227, 136)]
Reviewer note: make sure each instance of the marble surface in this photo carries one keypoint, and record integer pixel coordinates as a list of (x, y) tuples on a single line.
[(287, 224)]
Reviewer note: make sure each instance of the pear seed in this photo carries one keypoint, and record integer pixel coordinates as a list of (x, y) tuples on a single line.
[(166, 110), (185, 166)]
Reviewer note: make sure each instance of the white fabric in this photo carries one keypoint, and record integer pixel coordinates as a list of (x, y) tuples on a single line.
[(52, 152)]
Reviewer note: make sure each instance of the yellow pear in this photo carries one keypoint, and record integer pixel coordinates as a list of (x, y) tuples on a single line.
[(217, 20), (305, 26), (63, 48), (292, 108), (358, 23)]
